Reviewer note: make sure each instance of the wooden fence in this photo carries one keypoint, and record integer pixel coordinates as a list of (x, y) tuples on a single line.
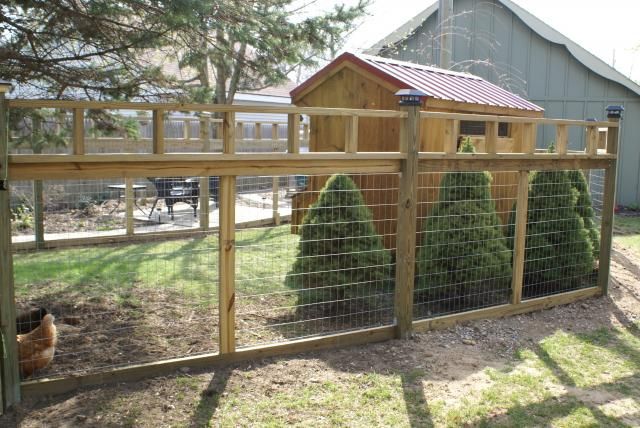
[(228, 165)]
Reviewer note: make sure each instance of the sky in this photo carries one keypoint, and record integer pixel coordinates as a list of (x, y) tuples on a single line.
[(599, 26)]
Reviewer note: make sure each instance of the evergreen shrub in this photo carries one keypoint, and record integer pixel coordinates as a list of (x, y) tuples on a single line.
[(558, 250), (463, 258), (341, 258)]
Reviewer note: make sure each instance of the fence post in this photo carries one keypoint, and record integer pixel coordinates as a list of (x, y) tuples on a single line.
[(9, 375), (520, 237), (158, 132), (410, 101), (204, 203), (129, 201), (227, 243), (78, 131), (293, 133), (614, 114)]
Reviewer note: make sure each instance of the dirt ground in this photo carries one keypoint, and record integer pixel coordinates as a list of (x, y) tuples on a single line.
[(453, 358)]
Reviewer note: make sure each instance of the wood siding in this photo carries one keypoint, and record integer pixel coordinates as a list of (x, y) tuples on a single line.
[(494, 43)]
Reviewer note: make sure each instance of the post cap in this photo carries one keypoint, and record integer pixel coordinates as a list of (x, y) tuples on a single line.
[(614, 112), (410, 97), (5, 86)]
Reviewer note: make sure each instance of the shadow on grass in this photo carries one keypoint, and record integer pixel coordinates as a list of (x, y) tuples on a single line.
[(210, 398), (415, 401)]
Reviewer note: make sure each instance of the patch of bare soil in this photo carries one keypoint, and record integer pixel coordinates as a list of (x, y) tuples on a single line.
[(148, 325), (106, 216), (452, 359)]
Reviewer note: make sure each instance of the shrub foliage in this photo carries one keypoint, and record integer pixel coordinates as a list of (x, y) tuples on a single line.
[(584, 207), (340, 255), (464, 255), (558, 249)]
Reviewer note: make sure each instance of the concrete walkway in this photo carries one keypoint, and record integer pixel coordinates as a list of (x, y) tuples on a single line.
[(250, 209)]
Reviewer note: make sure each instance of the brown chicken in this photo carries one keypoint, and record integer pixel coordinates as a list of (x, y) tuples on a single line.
[(36, 349)]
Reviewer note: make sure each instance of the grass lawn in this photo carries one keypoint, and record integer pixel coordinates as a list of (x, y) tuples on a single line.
[(561, 378), (627, 231), (189, 266), (565, 380)]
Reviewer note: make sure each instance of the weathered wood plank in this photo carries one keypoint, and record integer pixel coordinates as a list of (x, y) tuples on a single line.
[(512, 119), (293, 133), (129, 199), (506, 310), (158, 132), (213, 108), (30, 167), (562, 139), (9, 374), (406, 225), (78, 131), (204, 203), (39, 388), (606, 223), (275, 192), (591, 144), (510, 164), (520, 237), (139, 237), (226, 268), (451, 128), (229, 133), (222, 166), (528, 138), (491, 137), (351, 135)]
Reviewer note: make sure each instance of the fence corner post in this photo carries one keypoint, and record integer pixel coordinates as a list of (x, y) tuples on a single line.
[(614, 114), (9, 374), (410, 102)]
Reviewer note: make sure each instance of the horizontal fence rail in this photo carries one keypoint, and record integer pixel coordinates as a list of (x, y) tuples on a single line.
[(244, 283)]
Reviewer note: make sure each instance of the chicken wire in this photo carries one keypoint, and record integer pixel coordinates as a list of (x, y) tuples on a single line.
[(463, 260), (118, 299), (334, 274)]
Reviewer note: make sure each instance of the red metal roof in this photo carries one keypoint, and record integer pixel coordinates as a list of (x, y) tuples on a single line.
[(435, 82)]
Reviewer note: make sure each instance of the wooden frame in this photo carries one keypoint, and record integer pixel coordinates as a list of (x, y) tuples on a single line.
[(228, 165)]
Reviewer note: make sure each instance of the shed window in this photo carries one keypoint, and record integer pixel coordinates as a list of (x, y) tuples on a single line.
[(468, 127)]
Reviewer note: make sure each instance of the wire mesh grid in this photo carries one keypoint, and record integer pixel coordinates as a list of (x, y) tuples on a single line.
[(117, 299), (595, 178), (463, 259), (333, 274), (562, 242)]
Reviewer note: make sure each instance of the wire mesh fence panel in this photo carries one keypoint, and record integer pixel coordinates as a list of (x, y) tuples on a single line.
[(562, 242), (463, 259), (117, 300), (39, 131), (596, 189), (177, 203), (330, 270)]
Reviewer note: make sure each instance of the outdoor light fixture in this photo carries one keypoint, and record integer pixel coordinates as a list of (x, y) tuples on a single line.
[(614, 112), (410, 97)]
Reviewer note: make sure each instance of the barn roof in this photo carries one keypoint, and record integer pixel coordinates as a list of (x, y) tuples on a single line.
[(435, 82), (544, 30)]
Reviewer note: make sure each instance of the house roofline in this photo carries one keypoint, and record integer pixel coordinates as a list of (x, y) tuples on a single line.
[(544, 30)]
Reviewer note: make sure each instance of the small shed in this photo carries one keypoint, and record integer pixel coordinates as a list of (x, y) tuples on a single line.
[(370, 82)]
